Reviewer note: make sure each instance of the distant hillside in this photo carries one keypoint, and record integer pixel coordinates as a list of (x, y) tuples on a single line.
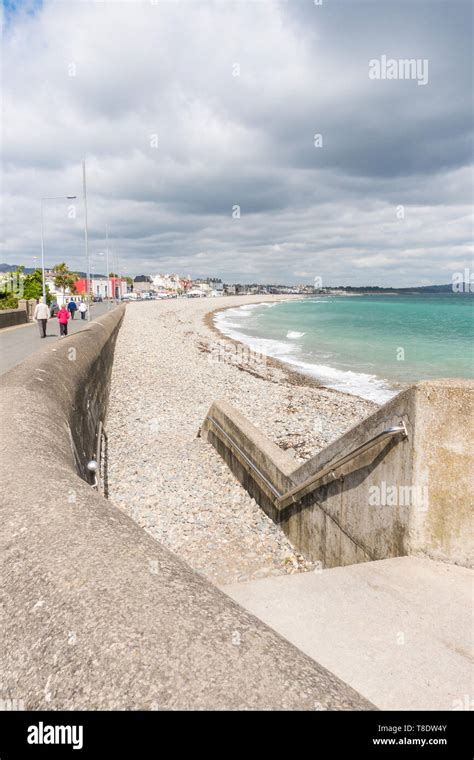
[(415, 289), (14, 267)]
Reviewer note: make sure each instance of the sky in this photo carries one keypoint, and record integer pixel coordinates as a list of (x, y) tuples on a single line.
[(255, 141)]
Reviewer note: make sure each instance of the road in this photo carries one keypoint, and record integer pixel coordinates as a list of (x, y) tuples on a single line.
[(16, 343)]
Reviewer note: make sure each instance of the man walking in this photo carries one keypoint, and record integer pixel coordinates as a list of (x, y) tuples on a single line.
[(63, 316), (71, 307), (83, 309), (41, 314)]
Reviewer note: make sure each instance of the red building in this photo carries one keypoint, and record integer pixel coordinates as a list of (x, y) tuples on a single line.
[(112, 287)]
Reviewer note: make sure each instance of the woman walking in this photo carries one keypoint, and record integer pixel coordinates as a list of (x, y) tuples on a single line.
[(63, 316), (82, 309)]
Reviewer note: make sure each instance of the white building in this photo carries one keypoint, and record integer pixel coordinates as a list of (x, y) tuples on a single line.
[(203, 286), (168, 282), (58, 295), (100, 287)]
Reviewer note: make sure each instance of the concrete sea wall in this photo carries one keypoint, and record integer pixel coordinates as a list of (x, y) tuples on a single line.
[(96, 613), (404, 496)]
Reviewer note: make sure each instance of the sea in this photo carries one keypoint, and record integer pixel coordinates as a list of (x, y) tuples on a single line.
[(371, 346)]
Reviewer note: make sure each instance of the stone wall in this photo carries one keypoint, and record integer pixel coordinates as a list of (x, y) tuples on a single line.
[(12, 317), (96, 613)]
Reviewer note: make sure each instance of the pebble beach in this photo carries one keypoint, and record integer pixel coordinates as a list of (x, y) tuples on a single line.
[(170, 364)]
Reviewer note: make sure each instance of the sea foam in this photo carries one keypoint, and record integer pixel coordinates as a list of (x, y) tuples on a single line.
[(359, 384)]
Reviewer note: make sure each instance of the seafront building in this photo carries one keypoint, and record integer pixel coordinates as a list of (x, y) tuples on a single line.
[(142, 283), (161, 285), (99, 287), (102, 287), (167, 283)]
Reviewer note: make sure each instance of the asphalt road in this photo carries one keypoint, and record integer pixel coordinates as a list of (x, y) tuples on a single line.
[(16, 343)]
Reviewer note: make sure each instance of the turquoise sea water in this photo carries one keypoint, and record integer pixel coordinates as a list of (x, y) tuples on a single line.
[(370, 346)]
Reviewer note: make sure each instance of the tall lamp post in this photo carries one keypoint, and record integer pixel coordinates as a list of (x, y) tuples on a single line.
[(106, 254), (49, 198), (86, 241), (107, 264)]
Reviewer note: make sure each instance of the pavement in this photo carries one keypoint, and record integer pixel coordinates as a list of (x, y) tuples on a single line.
[(397, 630), (19, 342)]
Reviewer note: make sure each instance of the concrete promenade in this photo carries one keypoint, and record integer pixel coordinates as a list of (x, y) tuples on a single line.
[(399, 631), (16, 343)]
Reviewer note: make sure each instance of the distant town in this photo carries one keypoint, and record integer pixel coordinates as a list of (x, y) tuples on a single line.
[(62, 284)]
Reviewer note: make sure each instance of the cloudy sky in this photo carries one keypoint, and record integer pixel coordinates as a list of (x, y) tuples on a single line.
[(198, 119)]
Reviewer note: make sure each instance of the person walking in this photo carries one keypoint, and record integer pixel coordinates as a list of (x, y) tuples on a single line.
[(63, 316), (41, 314), (82, 309), (71, 307)]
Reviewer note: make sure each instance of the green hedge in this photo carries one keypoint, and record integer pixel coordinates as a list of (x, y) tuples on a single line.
[(8, 301)]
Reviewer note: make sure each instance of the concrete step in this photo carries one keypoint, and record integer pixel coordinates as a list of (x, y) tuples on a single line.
[(399, 631)]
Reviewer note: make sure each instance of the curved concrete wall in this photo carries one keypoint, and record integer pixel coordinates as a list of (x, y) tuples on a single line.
[(97, 615)]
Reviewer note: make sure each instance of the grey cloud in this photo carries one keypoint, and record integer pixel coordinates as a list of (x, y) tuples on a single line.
[(167, 70)]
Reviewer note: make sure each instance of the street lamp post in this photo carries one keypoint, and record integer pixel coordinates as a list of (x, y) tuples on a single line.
[(101, 254), (86, 241), (49, 198), (115, 268), (107, 264), (113, 280)]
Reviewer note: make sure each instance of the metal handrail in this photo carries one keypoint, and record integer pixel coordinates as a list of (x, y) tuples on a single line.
[(244, 456), (297, 492), (94, 465), (98, 453)]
